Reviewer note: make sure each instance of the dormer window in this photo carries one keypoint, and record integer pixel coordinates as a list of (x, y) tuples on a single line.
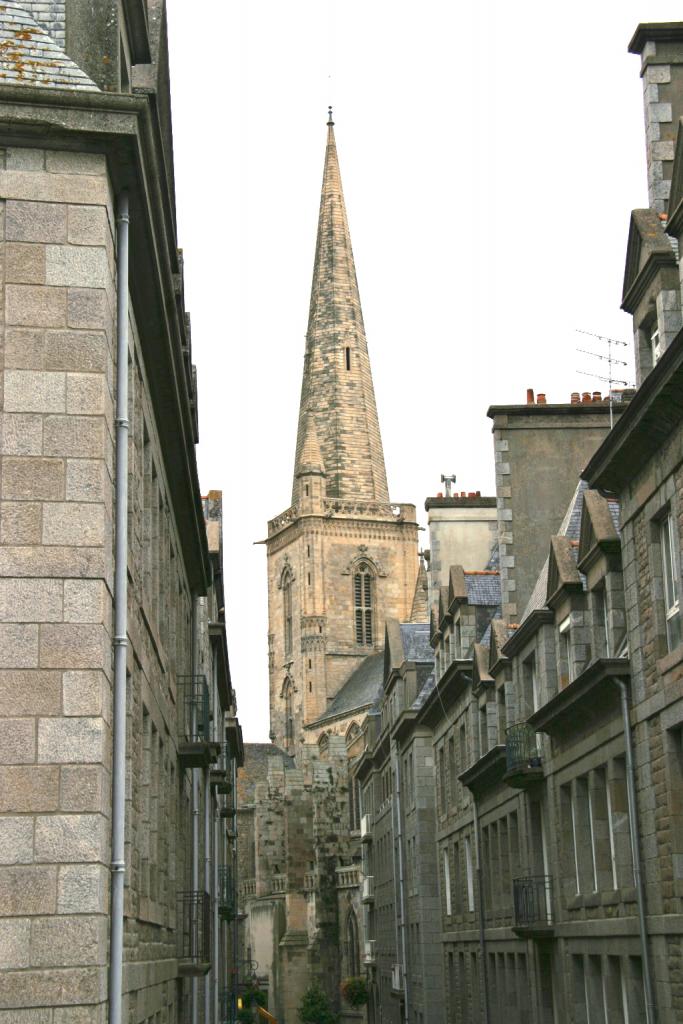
[(363, 610)]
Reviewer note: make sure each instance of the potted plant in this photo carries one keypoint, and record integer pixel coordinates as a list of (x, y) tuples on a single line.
[(355, 991), (315, 1007)]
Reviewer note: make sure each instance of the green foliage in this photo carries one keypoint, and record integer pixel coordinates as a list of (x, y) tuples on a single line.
[(254, 996), (245, 1016), (315, 1007), (355, 991)]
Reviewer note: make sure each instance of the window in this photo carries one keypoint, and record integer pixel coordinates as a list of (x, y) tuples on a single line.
[(655, 343), (601, 622), (530, 696), (362, 595), (352, 945), (565, 638), (442, 781), (348, 357), (671, 571), (447, 883), (452, 771), (470, 875), (287, 610)]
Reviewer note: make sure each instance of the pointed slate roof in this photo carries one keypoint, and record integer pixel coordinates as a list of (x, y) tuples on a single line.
[(648, 249), (420, 609), (337, 390), (30, 56)]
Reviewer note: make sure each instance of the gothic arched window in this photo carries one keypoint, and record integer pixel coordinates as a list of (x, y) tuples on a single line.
[(287, 610), (352, 945), (362, 599)]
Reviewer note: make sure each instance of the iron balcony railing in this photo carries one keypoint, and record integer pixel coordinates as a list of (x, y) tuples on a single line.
[(220, 771), (533, 901), (521, 748), (197, 709), (193, 931), (227, 897)]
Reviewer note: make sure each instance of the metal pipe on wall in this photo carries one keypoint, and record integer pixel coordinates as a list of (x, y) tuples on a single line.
[(118, 794), (195, 790), (401, 879), (634, 834), (482, 923), (208, 888)]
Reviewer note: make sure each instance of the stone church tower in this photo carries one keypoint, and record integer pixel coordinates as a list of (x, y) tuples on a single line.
[(342, 558)]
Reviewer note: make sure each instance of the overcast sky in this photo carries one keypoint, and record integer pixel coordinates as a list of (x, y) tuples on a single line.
[(491, 153)]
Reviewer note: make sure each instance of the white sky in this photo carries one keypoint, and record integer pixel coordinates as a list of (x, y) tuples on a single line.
[(491, 153)]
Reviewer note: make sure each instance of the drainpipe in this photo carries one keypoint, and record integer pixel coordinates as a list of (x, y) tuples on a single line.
[(207, 881), (195, 791), (482, 925), (231, 852), (401, 879), (634, 833), (118, 790)]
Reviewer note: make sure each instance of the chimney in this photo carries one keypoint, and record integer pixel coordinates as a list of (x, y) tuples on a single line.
[(576, 398), (529, 396), (660, 47), (540, 398)]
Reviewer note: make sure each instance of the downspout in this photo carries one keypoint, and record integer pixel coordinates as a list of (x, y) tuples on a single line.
[(231, 851), (634, 833), (401, 880), (195, 791), (207, 882), (482, 926), (118, 789)]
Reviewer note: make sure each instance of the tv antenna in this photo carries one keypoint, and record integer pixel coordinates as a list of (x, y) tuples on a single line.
[(611, 361)]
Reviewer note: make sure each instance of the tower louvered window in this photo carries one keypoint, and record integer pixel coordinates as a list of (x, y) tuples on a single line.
[(362, 595)]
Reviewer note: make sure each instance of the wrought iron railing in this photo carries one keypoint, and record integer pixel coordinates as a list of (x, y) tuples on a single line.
[(521, 747), (196, 708), (533, 901), (193, 927), (227, 898)]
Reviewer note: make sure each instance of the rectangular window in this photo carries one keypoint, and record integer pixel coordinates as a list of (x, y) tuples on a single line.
[(470, 875), (447, 883), (601, 622), (452, 772), (671, 574), (655, 343), (564, 639), (442, 782), (530, 685)]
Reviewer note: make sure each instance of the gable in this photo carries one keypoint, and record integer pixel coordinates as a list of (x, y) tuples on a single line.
[(598, 531), (648, 249), (562, 569)]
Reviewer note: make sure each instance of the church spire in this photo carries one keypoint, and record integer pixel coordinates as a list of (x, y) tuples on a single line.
[(337, 391)]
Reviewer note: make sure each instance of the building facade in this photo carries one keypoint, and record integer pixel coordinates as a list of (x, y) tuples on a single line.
[(86, 187)]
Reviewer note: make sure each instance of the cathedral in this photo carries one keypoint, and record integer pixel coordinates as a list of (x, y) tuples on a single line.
[(342, 560)]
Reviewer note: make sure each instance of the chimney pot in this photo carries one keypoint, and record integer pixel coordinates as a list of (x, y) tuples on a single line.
[(586, 396), (462, 494), (576, 397), (540, 398), (597, 397), (440, 494), (478, 494), (529, 396), (471, 494)]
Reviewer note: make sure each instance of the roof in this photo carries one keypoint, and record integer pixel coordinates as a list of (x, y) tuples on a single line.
[(422, 694), (30, 56), (415, 640), (420, 609), (337, 390), (569, 528), (360, 691), (483, 588)]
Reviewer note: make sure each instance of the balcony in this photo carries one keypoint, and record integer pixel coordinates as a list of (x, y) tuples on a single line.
[(369, 956), (193, 933), (523, 756), (195, 747), (227, 901), (533, 906), (368, 893), (220, 772), (366, 829)]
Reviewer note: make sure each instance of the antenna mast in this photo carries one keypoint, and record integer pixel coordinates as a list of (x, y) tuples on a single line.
[(611, 361)]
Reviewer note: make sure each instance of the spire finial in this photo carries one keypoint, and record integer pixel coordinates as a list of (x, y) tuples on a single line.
[(330, 122)]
